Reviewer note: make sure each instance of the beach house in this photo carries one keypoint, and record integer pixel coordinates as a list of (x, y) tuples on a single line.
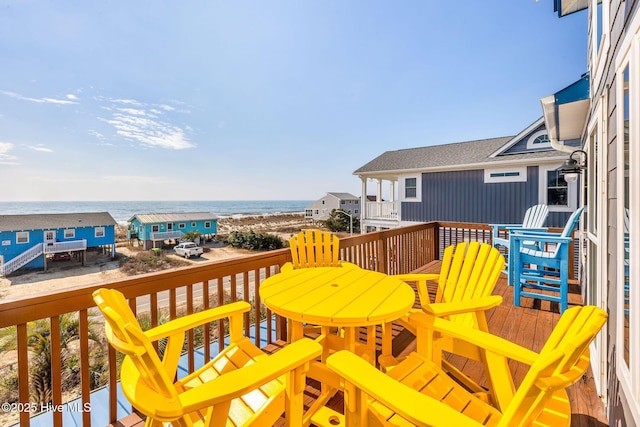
[(321, 208), (606, 120), (483, 181), (152, 229), (28, 241)]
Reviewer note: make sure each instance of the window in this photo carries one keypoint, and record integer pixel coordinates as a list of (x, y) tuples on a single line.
[(70, 233), (410, 188), (624, 241), (356, 212), (497, 175), (155, 228), (308, 213), (22, 237), (207, 224), (182, 225), (539, 139), (557, 189), (555, 192), (99, 231), (343, 202), (193, 225), (317, 211)]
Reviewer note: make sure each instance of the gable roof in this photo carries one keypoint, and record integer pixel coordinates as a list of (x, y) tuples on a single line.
[(174, 217), (344, 196), (455, 156), (55, 221)]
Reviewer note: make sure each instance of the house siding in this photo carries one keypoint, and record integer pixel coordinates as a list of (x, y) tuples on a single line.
[(463, 196), (605, 85)]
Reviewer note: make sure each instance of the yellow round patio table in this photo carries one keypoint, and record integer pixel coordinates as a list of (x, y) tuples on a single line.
[(347, 298)]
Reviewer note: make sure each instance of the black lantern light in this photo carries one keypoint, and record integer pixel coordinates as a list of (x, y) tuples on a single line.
[(571, 168)]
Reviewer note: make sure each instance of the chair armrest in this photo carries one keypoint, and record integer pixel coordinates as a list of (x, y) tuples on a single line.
[(421, 280), (451, 308), (494, 226), (416, 407), (476, 337), (418, 277), (539, 237), (287, 266), (185, 323), (241, 381)]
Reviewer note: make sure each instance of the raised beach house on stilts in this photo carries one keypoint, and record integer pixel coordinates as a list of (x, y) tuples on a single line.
[(28, 241)]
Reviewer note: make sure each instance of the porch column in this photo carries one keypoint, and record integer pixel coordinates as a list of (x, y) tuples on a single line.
[(392, 191), (379, 191), (363, 204)]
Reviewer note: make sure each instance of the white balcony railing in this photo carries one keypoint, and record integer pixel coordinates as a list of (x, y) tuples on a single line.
[(166, 235), (382, 210), (73, 245)]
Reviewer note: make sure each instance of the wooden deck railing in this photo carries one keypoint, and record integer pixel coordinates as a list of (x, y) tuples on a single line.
[(185, 290)]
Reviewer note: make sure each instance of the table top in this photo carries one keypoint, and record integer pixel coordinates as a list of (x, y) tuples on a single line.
[(337, 296)]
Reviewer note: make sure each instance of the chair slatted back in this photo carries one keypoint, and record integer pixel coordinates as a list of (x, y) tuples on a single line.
[(469, 271), (567, 231), (562, 361), (314, 248), (125, 334), (535, 216)]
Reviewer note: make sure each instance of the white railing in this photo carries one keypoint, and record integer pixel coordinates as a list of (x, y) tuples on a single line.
[(22, 259), (382, 210), (73, 245), (166, 235)]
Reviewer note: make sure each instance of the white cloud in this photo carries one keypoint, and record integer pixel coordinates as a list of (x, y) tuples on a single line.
[(72, 97), (37, 100), (5, 157), (149, 127), (137, 179), (40, 148)]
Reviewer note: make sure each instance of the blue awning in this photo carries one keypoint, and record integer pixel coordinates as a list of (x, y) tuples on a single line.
[(565, 112), (565, 7)]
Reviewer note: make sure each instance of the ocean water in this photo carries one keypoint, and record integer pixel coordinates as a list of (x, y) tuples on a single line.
[(124, 210)]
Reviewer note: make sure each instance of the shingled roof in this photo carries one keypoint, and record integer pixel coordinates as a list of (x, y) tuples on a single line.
[(453, 155), (55, 221), (173, 217)]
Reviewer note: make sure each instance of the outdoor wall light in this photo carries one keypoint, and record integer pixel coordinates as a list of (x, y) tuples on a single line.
[(571, 168)]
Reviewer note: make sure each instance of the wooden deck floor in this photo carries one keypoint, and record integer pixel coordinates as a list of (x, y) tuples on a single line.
[(528, 325)]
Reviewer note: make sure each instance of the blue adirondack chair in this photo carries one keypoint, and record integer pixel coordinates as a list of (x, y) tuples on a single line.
[(540, 261), (534, 218)]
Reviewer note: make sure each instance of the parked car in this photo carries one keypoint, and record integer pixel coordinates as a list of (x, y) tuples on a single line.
[(61, 256), (188, 249)]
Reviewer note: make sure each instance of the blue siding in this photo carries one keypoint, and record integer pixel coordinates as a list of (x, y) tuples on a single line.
[(462, 196), (13, 249)]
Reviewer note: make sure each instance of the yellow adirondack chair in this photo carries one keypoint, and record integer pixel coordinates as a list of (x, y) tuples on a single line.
[(417, 392), (468, 275), (241, 386), (314, 248)]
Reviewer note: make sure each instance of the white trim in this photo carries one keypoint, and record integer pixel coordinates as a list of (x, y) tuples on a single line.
[(598, 60), (572, 203), (513, 141), (532, 161), (22, 233), (506, 175), (70, 233), (100, 232), (532, 138), (401, 188), (628, 376)]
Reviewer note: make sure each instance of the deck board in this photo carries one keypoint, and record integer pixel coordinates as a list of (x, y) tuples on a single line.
[(528, 326)]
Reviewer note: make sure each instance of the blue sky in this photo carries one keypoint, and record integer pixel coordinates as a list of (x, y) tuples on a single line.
[(241, 100)]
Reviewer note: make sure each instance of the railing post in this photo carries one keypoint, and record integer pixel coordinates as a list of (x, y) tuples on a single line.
[(382, 260), (436, 241)]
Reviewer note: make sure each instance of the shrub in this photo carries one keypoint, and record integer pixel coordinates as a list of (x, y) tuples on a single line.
[(254, 241)]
